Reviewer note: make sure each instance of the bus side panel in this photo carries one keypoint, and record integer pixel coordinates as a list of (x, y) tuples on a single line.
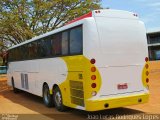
[(31, 74), (53, 71)]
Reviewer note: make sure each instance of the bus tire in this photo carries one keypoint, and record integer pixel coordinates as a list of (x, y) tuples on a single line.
[(47, 97), (15, 90), (58, 102)]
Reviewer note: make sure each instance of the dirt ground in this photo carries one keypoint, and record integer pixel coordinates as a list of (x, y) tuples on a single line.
[(153, 106), (26, 106)]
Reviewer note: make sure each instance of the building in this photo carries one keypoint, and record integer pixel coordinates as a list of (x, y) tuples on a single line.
[(153, 39)]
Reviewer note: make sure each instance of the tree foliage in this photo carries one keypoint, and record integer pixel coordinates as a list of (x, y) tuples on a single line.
[(3, 53), (23, 19)]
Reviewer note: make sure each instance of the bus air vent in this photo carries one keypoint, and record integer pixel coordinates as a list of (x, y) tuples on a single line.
[(77, 93)]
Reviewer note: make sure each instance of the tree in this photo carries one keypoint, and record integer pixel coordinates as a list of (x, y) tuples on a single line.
[(3, 54), (23, 19)]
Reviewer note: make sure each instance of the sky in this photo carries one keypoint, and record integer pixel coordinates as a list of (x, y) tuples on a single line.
[(147, 10)]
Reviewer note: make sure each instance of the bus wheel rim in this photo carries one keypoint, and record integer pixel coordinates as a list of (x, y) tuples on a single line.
[(46, 95), (58, 98)]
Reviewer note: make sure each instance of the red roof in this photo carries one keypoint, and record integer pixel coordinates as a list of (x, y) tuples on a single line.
[(80, 18)]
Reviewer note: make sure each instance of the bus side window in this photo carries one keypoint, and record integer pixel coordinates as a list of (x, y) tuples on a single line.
[(48, 46), (23, 52), (65, 43), (32, 50), (56, 44), (76, 40), (44, 48), (41, 49), (10, 55), (17, 54)]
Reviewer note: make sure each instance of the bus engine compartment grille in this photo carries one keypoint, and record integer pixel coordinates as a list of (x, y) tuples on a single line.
[(77, 93)]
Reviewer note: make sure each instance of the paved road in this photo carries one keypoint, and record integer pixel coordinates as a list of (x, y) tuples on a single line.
[(31, 107)]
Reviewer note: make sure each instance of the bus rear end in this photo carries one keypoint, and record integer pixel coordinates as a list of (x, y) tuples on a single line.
[(120, 60)]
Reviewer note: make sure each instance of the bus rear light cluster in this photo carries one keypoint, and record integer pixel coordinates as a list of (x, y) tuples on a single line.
[(94, 93), (147, 80), (93, 77), (93, 69), (147, 73), (93, 85), (147, 66), (93, 61), (146, 59)]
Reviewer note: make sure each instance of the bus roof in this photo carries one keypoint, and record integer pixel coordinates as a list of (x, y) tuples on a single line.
[(96, 13)]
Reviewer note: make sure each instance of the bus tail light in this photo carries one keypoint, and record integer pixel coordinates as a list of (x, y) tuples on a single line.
[(93, 61), (93, 77), (94, 93), (146, 66), (147, 80), (146, 59), (93, 85), (147, 73), (93, 69)]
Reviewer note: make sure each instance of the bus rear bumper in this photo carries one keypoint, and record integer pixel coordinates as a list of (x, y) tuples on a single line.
[(102, 104)]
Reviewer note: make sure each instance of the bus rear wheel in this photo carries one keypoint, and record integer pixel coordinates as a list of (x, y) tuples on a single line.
[(15, 90), (57, 97), (47, 97)]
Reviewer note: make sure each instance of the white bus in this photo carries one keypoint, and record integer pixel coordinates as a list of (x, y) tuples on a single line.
[(98, 61)]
